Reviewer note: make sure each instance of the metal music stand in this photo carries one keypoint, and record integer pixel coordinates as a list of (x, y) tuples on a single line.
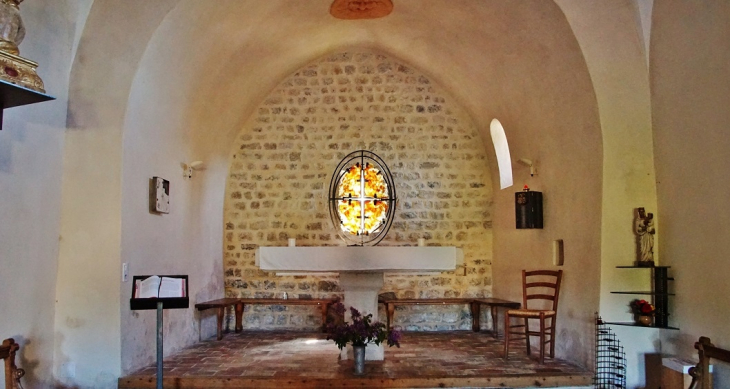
[(159, 304)]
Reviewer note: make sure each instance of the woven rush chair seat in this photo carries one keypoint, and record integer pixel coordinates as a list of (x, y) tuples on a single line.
[(530, 312), (538, 287)]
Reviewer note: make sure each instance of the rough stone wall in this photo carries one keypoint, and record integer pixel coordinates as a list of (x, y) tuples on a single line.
[(283, 161)]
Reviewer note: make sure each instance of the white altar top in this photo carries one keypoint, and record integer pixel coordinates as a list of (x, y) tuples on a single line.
[(359, 259)]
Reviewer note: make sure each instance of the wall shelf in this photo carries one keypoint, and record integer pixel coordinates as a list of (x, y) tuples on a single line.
[(12, 95), (632, 324), (645, 292), (660, 293)]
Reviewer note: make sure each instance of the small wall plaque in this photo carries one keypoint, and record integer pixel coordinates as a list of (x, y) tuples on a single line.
[(159, 195)]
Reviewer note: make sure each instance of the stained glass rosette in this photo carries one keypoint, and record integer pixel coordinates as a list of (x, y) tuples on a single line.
[(362, 198)]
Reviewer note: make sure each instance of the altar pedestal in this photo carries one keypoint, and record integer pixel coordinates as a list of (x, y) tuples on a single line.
[(361, 291), (361, 271)]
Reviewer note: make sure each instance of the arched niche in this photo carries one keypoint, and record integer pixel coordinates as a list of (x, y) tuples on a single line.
[(285, 155)]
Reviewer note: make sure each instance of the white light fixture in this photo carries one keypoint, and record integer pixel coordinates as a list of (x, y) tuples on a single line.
[(189, 167), (530, 164)]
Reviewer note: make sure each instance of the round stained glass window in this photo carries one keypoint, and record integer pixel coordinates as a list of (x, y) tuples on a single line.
[(362, 198)]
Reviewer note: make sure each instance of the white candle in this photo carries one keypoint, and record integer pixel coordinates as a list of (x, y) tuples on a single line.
[(292, 242), (421, 242)]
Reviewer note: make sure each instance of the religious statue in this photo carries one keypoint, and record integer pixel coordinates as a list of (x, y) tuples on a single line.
[(14, 68), (644, 228), (12, 30)]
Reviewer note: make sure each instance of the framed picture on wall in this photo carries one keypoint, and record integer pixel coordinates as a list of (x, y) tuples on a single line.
[(159, 195)]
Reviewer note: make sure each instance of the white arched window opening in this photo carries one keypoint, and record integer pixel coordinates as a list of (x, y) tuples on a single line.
[(501, 148)]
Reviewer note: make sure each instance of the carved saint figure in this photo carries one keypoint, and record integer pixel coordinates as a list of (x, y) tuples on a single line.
[(644, 228), (361, 9), (12, 30)]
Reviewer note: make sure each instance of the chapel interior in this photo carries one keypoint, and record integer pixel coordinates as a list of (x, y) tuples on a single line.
[(246, 107)]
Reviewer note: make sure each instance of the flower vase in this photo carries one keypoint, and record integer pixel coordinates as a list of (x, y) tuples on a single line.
[(645, 320), (359, 357)]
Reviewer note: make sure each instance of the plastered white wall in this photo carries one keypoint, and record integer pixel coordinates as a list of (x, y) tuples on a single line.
[(83, 7), (691, 95), (31, 147), (622, 94), (87, 324), (188, 239), (557, 127)]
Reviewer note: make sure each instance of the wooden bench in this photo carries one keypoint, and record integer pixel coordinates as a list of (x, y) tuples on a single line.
[(240, 303), (474, 307), (221, 305)]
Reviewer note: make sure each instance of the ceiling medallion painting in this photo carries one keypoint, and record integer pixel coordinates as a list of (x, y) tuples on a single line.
[(362, 198), (361, 9)]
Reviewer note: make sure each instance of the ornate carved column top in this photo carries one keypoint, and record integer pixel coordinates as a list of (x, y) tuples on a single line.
[(360, 9)]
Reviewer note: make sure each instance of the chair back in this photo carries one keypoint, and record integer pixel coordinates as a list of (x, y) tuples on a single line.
[(701, 375), (12, 374), (540, 289)]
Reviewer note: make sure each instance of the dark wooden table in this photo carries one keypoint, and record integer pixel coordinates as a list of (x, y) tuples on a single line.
[(494, 304)]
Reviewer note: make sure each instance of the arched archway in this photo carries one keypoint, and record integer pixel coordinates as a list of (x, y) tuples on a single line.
[(549, 101)]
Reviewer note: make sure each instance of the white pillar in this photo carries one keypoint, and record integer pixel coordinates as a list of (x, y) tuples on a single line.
[(361, 291)]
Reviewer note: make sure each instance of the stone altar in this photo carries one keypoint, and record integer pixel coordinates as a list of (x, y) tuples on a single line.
[(361, 270)]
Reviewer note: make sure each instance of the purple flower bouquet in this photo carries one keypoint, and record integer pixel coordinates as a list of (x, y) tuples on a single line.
[(361, 331)]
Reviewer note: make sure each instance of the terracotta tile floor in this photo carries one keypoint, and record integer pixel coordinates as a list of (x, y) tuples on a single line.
[(306, 359)]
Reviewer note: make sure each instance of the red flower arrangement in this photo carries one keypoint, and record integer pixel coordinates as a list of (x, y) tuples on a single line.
[(642, 307)]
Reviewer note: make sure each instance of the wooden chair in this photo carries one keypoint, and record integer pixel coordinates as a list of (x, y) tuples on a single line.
[(535, 287)]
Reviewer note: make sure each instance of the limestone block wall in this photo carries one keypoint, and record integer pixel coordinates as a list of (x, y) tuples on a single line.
[(283, 161)]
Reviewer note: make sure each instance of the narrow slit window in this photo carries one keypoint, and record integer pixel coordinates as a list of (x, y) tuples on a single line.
[(501, 148)]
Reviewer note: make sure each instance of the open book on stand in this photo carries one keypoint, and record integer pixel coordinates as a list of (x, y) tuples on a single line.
[(160, 287), (172, 291)]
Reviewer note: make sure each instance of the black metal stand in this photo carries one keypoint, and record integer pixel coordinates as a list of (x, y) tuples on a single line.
[(159, 304), (610, 358), (660, 293), (661, 297), (160, 354)]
